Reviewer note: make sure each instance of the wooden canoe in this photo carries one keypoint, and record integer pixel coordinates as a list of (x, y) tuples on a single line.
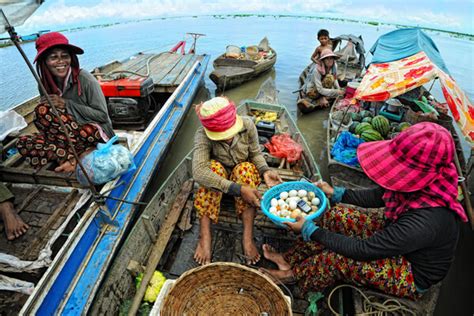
[(53, 203), (170, 223), (231, 72)]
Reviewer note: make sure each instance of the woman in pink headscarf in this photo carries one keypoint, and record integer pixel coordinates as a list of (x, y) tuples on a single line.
[(403, 251), (227, 159)]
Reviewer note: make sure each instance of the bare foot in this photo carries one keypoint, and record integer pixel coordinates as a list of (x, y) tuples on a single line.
[(250, 251), (202, 255), (284, 276), (270, 254), (323, 102), (14, 225)]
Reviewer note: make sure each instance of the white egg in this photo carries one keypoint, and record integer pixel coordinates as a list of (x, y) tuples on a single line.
[(293, 193), (274, 202), (273, 210), (311, 195), (295, 213), (315, 201), (292, 204), (284, 195), (281, 202), (305, 199), (302, 193)]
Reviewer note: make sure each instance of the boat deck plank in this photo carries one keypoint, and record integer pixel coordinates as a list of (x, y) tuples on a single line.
[(179, 68)]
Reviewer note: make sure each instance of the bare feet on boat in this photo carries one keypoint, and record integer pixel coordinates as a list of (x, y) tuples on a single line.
[(271, 254), (250, 251), (14, 225), (66, 166), (284, 276), (202, 255), (323, 102)]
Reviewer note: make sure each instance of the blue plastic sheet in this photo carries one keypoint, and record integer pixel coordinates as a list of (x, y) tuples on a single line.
[(403, 43), (345, 149), (106, 163)]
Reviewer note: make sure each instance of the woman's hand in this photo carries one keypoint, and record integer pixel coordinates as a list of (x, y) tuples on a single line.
[(271, 178), (250, 195), (296, 226), (57, 101), (327, 189)]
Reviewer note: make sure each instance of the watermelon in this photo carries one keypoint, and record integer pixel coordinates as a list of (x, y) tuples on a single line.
[(366, 113), (381, 124), (403, 126), (367, 119), (356, 117), (371, 135), (353, 127), (363, 127)]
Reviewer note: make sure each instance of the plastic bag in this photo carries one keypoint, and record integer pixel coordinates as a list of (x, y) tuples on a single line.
[(283, 146), (106, 163), (11, 122), (345, 149)]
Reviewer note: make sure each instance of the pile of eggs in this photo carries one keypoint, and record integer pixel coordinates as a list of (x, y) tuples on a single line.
[(287, 205)]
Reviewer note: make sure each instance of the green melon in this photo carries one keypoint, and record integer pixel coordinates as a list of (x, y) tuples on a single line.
[(367, 119), (366, 113), (363, 127), (353, 127), (371, 135), (403, 126), (356, 117), (381, 124)]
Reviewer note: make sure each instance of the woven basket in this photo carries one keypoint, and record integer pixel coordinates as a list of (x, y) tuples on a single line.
[(275, 191), (224, 288)]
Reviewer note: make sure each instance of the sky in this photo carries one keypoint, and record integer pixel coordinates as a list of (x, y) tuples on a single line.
[(457, 15)]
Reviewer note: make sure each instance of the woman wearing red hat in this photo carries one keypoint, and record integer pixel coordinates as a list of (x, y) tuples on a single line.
[(227, 159), (79, 99), (403, 251), (323, 84)]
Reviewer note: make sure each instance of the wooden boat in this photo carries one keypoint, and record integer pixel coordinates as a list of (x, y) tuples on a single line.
[(350, 64), (232, 72), (170, 213), (73, 235)]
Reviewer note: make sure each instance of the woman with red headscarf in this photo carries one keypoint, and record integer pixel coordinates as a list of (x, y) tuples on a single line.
[(227, 159), (402, 251), (79, 100)]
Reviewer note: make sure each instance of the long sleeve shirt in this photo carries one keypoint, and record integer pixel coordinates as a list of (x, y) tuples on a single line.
[(426, 237), (90, 106), (244, 147), (316, 83)]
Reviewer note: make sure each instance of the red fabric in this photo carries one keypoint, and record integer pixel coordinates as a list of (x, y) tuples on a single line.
[(416, 168), (283, 146), (220, 121), (51, 39)]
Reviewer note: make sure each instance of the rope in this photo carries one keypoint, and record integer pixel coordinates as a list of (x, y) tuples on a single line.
[(388, 307)]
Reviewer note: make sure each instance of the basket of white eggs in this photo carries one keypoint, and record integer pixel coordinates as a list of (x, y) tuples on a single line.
[(289, 200)]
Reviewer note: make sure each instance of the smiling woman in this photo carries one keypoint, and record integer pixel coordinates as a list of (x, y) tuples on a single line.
[(77, 97)]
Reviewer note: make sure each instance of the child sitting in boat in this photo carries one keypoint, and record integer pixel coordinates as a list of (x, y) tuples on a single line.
[(227, 159), (324, 43), (79, 100), (14, 225), (402, 251)]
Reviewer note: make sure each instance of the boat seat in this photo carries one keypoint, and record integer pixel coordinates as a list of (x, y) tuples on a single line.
[(426, 305)]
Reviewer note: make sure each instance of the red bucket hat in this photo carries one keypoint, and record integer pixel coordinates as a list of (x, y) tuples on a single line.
[(411, 161), (48, 40)]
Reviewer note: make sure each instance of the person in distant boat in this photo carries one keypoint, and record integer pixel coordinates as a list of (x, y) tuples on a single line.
[(227, 159), (80, 102), (322, 84), (402, 251), (324, 43), (14, 225)]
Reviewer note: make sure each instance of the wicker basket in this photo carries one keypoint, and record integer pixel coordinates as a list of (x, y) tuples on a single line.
[(224, 288)]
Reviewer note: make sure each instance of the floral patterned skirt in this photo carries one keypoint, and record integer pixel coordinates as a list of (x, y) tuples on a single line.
[(316, 268), (50, 144), (208, 201)]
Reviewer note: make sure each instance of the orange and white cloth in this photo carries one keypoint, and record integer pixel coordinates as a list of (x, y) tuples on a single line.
[(387, 80)]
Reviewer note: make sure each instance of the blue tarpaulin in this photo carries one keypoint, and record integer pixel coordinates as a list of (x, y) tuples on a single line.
[(403, 43)]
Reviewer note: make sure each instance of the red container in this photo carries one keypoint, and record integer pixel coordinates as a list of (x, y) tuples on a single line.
[(351, 89), (126, 87)]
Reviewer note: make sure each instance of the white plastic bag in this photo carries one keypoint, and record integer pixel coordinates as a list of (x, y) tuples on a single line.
[(10, 122)]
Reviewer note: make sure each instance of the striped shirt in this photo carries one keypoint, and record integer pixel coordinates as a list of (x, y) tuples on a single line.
[(244, 147)]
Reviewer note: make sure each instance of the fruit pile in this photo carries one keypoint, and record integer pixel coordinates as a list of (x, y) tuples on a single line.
[(289, 204), (371, 128)]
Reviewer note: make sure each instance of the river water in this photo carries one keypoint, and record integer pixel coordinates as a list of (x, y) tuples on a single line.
[(293, 38)]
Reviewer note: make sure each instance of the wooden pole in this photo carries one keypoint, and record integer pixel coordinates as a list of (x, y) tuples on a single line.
[(159, 247)]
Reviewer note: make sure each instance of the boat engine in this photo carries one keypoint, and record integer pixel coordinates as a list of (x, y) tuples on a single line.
[(129, 101)]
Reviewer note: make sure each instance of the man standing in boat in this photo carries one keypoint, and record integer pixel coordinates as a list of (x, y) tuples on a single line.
[(14, 225), (227, 159)]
